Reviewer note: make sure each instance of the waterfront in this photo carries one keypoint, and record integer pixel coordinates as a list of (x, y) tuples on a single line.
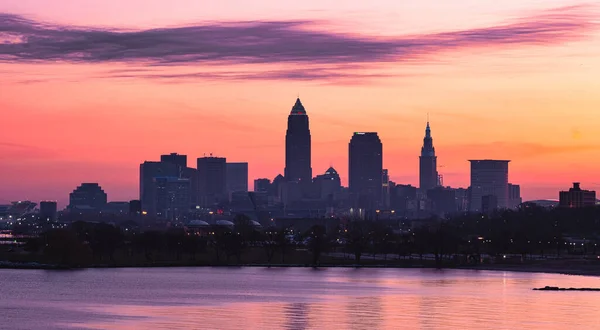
[(293, 298)]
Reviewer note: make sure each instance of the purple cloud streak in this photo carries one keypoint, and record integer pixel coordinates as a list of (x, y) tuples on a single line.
[(294, 42)]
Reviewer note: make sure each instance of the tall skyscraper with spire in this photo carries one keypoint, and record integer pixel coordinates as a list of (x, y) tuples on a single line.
[(297, 146), (428, 175)]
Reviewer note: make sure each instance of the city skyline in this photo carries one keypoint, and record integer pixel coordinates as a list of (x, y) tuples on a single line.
[(490, 98)]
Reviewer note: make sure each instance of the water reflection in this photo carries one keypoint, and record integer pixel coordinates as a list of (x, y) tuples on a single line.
[(296, 316), (294, 299)]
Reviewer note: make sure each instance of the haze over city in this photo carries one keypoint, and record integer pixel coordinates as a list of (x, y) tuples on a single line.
[(90, 90)]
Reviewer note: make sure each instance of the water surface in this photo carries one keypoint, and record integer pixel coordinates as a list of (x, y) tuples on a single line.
[(293, 298)]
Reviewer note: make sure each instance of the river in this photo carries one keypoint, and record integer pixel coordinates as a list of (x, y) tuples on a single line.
[(293, 298)]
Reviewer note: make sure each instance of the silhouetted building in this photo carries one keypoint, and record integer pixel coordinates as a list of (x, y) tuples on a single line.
[(514, 196), (443, 200), (488, 177), (576, 197), (212, 180), (402, 197), (237, 177), (48, 210), (175, 158), (366, 169), (298, 146), (191, 174), (116, 208), (428, 175), (135, 207), (172, 195), (149, 171), (328, 185), (262, 184), (87, 197), (275, 189), (462, 199), (489, 203), (385, 189)]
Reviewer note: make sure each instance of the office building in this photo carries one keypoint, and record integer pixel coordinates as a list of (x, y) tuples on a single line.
[(443, 200), (237, 177), (428, 175), (365, 166), (135, 207), (514, 196), (576, 197), (262, 184), (488, 177), (172, 197), (298, 147), (48, 210), (148, 172), (489, 204), (175, 158), (328, 185), (87, 197), (212, 181)]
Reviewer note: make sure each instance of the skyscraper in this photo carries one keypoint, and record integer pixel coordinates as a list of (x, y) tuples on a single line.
[(489, 177), (212, 180), (365, 167), (237, 177), (297, 146), (428, 175)]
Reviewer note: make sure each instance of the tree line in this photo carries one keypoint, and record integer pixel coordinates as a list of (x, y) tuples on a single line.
[(461, 238)]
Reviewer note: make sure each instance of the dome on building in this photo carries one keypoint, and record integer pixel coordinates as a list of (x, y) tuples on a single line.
[(198, 223), (224, 223), (255, 223)]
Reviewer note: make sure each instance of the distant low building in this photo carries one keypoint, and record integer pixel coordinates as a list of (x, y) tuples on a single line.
[(48, 210), (514, 196), (576, 197), (87, 197)]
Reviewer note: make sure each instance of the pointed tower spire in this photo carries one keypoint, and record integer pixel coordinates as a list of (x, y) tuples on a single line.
[(298, 108)]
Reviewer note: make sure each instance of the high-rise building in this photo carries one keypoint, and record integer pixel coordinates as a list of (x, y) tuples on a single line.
[(149, 171), (88, 196), (175, 158), (365, 167), (428, 175), (237, 177), (262, 184), (48, 210), (488, 177), (212, 180), (576, 197), (514, 196), (172, 196), (297, 146)]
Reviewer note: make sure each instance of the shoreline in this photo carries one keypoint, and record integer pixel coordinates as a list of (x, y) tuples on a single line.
[(522, 268)]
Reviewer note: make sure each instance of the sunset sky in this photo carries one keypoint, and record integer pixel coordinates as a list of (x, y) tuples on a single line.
[(90, 89)]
